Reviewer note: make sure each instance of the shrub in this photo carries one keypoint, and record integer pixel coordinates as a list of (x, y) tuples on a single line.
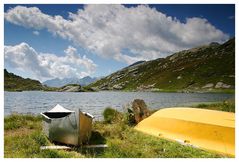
[(111, 115)]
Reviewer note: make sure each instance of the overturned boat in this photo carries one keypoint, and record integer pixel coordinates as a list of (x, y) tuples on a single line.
[(207, 129), (66, 126)]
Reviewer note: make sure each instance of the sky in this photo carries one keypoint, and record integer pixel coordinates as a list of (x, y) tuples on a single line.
[(60, 41)]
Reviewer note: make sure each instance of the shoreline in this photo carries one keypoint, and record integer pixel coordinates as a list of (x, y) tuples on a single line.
[(23, 137), (228, 91)]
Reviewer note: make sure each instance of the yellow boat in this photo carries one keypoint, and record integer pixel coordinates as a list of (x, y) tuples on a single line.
[(207, 129)]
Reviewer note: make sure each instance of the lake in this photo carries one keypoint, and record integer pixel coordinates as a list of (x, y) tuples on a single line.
[(95, 102)]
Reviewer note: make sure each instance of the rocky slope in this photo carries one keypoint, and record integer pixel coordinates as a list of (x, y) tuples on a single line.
[(74, 88), (206, 68)]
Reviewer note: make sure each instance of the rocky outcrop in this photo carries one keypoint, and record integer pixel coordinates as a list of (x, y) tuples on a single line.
[(77, 88), (222, 85), (209, 85), (145, 87), (117, 87), (71, 88)]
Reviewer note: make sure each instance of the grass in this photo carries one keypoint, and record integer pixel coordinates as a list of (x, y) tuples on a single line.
[(125, 142), (228, 106), (23, 137)]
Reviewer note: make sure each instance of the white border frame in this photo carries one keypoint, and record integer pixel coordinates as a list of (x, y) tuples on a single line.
[(111, 2)]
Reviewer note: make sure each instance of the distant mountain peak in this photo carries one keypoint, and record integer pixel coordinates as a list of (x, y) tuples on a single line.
[(64, 81)]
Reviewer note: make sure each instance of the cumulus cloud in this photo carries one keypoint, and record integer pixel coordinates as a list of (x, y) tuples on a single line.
[(36, 33), (45, 66), (124, 34)]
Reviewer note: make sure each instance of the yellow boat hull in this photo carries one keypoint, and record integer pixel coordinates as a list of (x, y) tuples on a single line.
[(207, 129)]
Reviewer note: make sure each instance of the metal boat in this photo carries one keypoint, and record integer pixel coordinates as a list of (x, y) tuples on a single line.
[(66, 126)]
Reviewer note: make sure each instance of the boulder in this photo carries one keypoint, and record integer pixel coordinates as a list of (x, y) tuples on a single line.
[(209, 85), (179, 77), (145, 87), (222, 85), (70, 88), (117, 87), (140, 110)]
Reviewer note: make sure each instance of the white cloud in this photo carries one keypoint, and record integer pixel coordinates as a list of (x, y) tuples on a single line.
[(108, 30), (45, 66), (36, 33)]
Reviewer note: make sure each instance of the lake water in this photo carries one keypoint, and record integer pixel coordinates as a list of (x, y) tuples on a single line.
[(95, 102)]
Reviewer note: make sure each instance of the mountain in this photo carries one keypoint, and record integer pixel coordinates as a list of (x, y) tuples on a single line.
[(87, 80), (13, 82), (62, 82), (205, 68)]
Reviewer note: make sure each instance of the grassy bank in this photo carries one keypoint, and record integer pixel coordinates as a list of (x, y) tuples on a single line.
[(228, 106), (23, 137)]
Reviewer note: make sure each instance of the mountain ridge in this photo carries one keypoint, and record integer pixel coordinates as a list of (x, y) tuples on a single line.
[(14, 82), (62, 82), (205, 68)]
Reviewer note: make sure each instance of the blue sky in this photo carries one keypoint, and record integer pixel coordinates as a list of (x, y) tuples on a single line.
[(106, 50)]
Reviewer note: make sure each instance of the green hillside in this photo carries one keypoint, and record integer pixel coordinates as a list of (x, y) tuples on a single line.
[(206, 68), (13, 82)]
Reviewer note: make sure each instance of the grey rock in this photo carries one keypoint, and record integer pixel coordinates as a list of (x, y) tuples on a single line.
[(222, 85), (209, 85), (117, 87), (179, 77), (71, 89)]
